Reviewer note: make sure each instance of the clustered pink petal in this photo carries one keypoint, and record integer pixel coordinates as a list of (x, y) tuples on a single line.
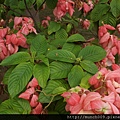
[(10, 42), (104, 100), (45, 22), (63, 6), (32, 96), (110, 43)]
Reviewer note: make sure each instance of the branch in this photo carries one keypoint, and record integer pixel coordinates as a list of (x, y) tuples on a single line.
[(31, 16)]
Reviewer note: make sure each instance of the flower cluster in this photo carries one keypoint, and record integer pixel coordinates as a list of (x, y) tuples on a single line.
[(45, 22), (103, 99), (63, 6), (10, 42), (86, 6), (32, 96), (25, 25), (110, 43)]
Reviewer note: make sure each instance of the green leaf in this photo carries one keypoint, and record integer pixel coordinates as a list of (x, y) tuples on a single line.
[(108, 19), (99, 11), (7, 74), (53, 88), (74, 48), (39, 3), (51, 3), (58, 43), (62, 55), (43, 59), (75, 38), (39, 44), (60, 107), (75, 76), (61, 34), (15, 106), (59, 70), (115, 7), (89, 66), (16, 58), (103, 1), (85, 81), (41, 73), (92, 53), (53, 27), (19, 78)]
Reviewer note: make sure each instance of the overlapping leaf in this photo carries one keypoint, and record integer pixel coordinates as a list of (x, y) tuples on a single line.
[(89, 66), (41, 73), (16, 58), (74, 48), (59, 70), (92, 53), (19, 78), (75, 76), (15, 106), (115, 7), (62, 55), (39, 44), (99, 11), (53, 27), (54, 88), (75, 38)]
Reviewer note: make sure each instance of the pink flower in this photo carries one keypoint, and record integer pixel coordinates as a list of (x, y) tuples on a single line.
[(74, 99), (12, 48), (105, 38), (34, 101), (63, 6), (27, 94), (45, 22), (90, 97), (33, 83), (17, 22), (86, 24), (86, 8), (37, 109), (3, 32)]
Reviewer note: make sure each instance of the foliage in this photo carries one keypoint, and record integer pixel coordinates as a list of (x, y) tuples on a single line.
[(54, 54)]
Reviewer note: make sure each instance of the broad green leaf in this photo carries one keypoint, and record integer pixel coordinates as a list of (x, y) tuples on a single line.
[(15, 106), (85, 81), (59, 70), (41, 73), (61, 34), (74, 48), (53, 27), (115, 7), (19, 78), (16, 58), (75, 76), (75, 38), (51, 3), (53, 88), (43, 59), (92, 53), (62, 55), (39, 44), (108, 19), (99, 11), (60, 107), (58, 43), (7, 74), (89, 66)]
